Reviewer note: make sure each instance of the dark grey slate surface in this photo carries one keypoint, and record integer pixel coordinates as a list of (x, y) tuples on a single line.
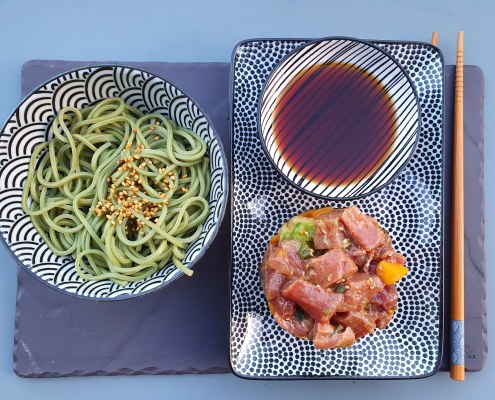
[(180, 329), (184, 328), (476, 340)]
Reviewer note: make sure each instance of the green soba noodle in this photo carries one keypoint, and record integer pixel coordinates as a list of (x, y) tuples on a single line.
[(122, 192)]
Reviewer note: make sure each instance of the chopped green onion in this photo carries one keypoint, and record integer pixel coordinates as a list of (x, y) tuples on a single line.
[(286, 236), (340, 288), (338, 329), (299, 228), (305, 251)]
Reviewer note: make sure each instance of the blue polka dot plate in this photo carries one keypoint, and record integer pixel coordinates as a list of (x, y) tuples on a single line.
[(410, 207)]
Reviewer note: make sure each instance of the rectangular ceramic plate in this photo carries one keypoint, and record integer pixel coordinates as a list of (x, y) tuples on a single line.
[(411, 208)]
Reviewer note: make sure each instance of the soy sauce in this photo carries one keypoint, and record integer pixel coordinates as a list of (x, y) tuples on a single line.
[(334, 124)]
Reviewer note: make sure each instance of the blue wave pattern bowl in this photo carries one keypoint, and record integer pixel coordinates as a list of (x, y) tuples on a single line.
[(28, 125), (339, 118)]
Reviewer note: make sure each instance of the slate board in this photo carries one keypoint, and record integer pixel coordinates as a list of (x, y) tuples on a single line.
[(183, 329)]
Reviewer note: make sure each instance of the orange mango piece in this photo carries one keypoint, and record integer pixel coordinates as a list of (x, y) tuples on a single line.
[(390, 272)]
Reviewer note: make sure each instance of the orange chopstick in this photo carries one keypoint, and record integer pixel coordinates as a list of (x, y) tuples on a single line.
[(434, 38), (457, 274)]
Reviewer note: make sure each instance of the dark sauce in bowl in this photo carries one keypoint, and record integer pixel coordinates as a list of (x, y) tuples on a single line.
[(334, 124)]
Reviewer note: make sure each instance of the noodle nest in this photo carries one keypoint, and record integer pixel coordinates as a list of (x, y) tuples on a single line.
[(122, 192)]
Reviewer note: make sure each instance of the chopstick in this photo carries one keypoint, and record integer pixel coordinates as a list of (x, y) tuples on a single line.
[(457, 274), (434, 38)]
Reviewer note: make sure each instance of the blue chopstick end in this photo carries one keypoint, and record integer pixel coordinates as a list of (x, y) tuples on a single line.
[(457, 342)]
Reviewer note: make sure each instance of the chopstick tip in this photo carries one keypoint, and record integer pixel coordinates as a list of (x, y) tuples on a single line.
[(460, 41), (434, 38), (457, 372)]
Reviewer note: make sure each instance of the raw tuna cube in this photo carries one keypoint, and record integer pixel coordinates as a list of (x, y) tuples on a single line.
[(364, 230), (319, 303), (329, 268)]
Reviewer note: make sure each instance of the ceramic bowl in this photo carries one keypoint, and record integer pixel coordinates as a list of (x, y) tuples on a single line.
[(339, 118), (28, 125)]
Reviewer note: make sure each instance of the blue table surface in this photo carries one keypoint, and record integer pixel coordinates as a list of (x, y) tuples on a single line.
[(148, 30)]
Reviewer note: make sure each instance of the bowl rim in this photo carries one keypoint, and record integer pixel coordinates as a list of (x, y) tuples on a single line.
[(326, 39), (224, 197)]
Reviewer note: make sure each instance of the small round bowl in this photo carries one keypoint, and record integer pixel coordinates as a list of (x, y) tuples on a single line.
[(339, 118), (28, 126)]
